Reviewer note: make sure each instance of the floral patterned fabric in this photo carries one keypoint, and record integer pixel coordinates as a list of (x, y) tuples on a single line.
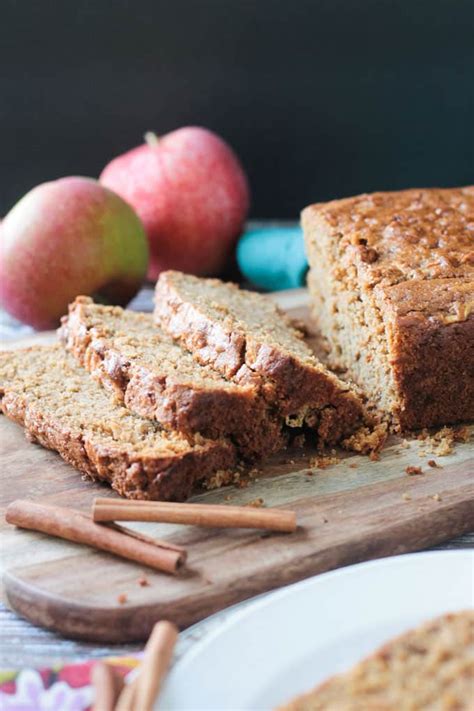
[(63, 688)]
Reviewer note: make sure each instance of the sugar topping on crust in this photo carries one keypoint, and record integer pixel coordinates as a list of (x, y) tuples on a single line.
[(410, 234)]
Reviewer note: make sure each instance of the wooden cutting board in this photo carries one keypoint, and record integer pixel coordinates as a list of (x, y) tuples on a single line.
[(348, 512)]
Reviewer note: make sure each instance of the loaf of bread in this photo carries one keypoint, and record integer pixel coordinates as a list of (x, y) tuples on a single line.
[(430, 668), (245, 337), (157, 379), (392, 287), (62, 408)]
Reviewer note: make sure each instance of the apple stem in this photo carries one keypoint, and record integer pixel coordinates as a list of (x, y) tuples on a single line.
[(151, 138)]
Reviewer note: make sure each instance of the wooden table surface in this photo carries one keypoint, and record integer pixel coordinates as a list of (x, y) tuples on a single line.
[(22, 644)]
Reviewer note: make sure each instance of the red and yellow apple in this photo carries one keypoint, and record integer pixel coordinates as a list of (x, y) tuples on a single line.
[(68, 237), (191, 193)]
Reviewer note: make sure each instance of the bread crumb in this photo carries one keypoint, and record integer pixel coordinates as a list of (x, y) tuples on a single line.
[(442, 442), (436, 497), (462, 434), (143, 582), (122, 599), (431, 463), (224, 478), (220, 478), (412, 471), (367, 441), (256, 503), (242, 483), (406, 497), (353, 465), (323, 461)]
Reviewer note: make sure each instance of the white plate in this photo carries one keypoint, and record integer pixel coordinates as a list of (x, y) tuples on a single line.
[(288, 641)]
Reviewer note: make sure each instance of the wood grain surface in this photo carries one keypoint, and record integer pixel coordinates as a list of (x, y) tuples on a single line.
[(351, 511)]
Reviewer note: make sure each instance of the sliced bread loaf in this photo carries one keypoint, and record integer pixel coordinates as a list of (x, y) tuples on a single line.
[(247, 338), (392, 286), (430, 668), (156, 378), (61, 407)]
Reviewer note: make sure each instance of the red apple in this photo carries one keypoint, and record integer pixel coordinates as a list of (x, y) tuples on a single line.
[(64, 238), (191, 194)]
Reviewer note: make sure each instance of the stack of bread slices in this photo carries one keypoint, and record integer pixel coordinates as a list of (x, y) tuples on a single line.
[(154, 404)]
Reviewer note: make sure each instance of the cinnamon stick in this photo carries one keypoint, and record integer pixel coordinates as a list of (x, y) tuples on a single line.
[(140, 693), (79, 528), (213, 515), (107, 685), (157, 657)]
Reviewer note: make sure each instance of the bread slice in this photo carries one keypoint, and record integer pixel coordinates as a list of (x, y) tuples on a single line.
[(61, 407), (246, 337), (155, 378), (429, 668), (392, 285)]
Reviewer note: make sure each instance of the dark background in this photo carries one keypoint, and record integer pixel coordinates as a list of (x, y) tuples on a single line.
[(320, 98)]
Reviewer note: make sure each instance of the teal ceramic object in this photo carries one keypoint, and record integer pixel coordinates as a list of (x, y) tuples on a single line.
[(273, 258)]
